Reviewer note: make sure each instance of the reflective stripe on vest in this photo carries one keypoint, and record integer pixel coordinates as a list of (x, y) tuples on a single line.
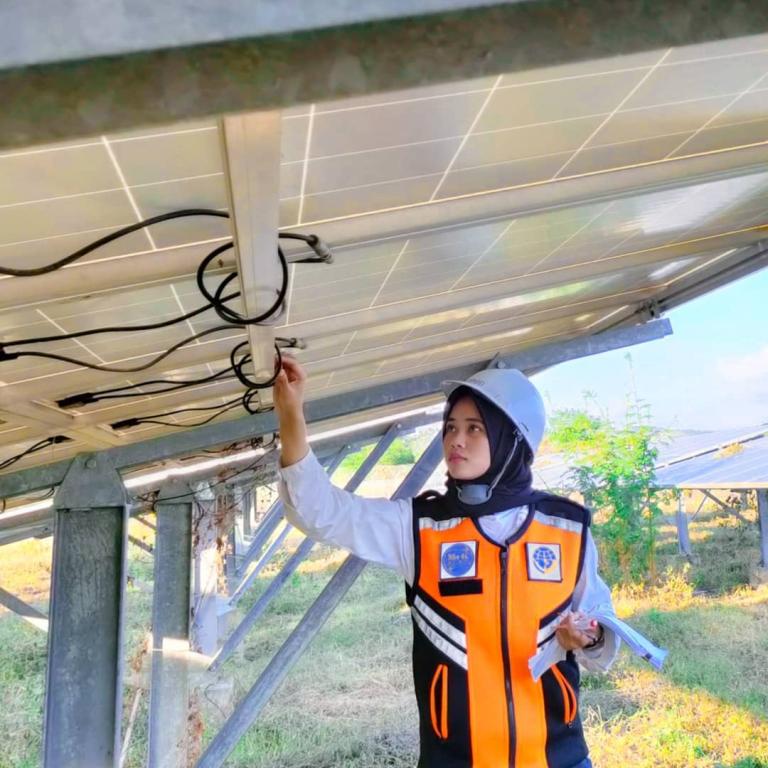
[(478, 705)]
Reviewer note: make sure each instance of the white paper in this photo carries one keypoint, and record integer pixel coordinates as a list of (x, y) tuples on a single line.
[(552, 652)]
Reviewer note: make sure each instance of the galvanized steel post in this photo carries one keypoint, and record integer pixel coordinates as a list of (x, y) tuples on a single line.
[(169, 695), (762, 519), (681, 518), (83, 698)]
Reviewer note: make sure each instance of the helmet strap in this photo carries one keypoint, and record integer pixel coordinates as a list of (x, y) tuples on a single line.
[(474, 494)]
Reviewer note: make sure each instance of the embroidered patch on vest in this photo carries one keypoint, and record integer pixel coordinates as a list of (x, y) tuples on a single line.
[(458, 560), (544, 562)]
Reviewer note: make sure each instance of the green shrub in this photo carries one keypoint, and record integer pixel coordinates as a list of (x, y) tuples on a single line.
[(613, 468)]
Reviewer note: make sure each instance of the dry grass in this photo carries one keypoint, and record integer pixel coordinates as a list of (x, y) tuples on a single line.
[(25, 569), (349, 700), (668, 725)]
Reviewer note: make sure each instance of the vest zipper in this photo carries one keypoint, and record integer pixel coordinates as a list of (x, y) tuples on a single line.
[(504, 556)]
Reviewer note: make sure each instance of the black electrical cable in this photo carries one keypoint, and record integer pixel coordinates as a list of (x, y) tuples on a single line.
[(238, 366), (216, 301), (221, 309), (39, 446), (149, 420), (120, 328), (246, 400), (322, 254), (125, 423), (127, 391), (116, 235), (64, 359)]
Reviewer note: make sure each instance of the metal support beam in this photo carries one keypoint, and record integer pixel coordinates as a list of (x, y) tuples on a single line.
[(681, 520), (266, 529), (250, 577), (251, 150), (169, 697), (83, 698), (143, 520), (180, 23), (255, 58), (230, 561), (277, 669), (258, 608), (189, 441), (142, 545), (27, 612), (721, 504), (248, 501), (762, 519)]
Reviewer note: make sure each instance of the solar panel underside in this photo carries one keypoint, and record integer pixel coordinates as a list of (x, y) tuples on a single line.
[(388, 309)]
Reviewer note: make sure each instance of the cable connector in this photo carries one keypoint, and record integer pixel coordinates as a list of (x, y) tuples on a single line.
[(292, 342), (56, 439), (322, 255), (5, 355), (76, 401), (125, 424), (320, 247)]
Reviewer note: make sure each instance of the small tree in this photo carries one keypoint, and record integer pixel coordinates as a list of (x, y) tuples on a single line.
[(613, 468)]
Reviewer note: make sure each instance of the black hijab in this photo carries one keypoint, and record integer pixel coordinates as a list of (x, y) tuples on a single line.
[(515, 488)]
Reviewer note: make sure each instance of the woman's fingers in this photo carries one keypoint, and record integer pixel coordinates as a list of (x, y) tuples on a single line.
[(570, 636), (293, 370)]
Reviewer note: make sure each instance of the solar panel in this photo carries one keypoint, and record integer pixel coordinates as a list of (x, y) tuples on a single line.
[(745, 466), (396, 306)]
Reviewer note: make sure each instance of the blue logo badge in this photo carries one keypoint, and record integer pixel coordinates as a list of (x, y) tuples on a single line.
[(458, 560), (544, 559)]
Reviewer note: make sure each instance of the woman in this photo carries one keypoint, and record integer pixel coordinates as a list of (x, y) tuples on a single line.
[(494, 571)]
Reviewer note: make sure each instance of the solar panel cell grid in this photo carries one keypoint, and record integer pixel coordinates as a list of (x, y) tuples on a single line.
[(439, 297)]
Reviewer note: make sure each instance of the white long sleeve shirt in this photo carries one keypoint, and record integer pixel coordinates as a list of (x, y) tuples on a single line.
[(380, 531)]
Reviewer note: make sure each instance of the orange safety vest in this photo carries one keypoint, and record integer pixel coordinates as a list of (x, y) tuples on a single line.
[(480, 610)]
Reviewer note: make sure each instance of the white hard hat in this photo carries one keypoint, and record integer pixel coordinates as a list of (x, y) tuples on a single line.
[(512, 392)]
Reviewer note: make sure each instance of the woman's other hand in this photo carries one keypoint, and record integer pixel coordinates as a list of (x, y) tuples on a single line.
[(570, 634)]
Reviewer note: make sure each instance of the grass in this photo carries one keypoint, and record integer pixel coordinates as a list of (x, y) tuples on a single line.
[(349, 701)]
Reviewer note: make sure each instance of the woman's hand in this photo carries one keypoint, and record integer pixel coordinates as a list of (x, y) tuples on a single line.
[(289, 389), (288, 396), (571, 637)]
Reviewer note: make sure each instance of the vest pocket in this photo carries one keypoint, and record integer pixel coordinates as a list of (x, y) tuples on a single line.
[(570, 702), (438, 701)]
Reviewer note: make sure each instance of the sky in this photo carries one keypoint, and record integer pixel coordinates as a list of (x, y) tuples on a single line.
[(712, 373)]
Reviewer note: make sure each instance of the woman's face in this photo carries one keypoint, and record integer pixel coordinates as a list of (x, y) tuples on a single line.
[(465, 443)]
